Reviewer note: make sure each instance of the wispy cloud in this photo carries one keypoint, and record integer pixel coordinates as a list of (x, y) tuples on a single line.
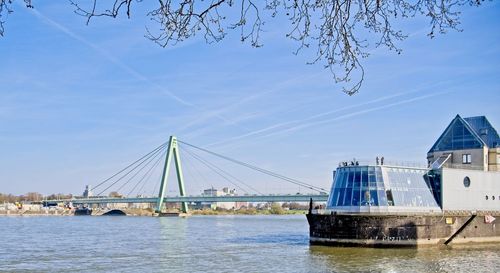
[(230, 106)]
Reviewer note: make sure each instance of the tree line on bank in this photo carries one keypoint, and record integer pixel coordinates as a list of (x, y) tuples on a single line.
[(31, 197), (35, 196)]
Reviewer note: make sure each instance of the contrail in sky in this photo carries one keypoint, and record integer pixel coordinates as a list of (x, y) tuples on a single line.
[(300, 122), (109, 57), (124, 66), (302, 126), (216, 113), (244, 100), (278, 125)]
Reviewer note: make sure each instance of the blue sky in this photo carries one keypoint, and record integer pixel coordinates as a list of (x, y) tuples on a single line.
[(79, 102)]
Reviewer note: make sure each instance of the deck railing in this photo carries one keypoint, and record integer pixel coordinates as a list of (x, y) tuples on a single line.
[(363, 162)]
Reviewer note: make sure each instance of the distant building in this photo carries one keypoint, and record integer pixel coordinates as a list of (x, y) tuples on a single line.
[(226, 191), (87, 193), (467, 143)]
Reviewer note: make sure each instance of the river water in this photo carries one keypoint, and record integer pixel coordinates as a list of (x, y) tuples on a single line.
[(207, 244)]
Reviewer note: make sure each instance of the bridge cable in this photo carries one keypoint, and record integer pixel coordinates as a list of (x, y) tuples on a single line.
[(140, 163), (282, 177), (191, 166), (147, 182), (223, 171), (144, 164), (106, 180), (148, 172), (214, 170), (155, 188), (135, 174)]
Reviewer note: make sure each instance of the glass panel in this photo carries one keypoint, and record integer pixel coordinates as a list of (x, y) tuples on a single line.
[(433, 179), (364, 178), (349, 177), (457, 137), (357, 178), (372, 179), (373, 198), (342, 180), (341, 197), (409, 188), (365, 197), (333, 202), (348, 190), (484, 129), (347, 198), (355, 197), (338, 179), (380, 179), (382, 198)]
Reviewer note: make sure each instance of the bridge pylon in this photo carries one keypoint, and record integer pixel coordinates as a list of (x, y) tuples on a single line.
[(173, 149)]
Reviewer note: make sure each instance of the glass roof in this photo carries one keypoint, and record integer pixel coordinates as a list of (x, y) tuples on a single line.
[(380, 186), (485, 130), (458, 136)]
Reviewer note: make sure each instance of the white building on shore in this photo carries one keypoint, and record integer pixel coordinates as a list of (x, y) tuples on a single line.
[(226, 191)]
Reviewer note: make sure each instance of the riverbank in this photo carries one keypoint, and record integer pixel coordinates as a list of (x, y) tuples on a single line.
[(148, 212), (36, 213)]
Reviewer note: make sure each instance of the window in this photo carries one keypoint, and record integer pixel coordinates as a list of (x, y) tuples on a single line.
[(466, 181), (466, 159)]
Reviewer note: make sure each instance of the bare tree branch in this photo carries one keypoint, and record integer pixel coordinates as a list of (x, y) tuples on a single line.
[(340, 32), (6, 8)]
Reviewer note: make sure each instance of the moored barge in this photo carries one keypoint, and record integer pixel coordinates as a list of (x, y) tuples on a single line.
[(456, 199)]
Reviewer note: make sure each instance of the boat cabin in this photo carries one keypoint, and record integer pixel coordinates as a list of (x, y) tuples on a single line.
[(463, 175)]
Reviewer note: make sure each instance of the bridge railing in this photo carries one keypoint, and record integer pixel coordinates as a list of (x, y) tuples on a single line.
[(229, 198)]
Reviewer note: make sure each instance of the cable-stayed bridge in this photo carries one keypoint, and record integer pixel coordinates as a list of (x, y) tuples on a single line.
[(134, 178), (201, 198)]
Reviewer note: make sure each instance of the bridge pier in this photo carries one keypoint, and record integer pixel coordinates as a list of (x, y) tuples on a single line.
[(173, 149)]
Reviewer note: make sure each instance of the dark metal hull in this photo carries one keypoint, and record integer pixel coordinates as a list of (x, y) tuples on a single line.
[(402, 230), (83, 212)]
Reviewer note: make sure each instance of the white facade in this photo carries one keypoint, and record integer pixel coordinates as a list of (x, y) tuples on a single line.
[(224, 192), (483, 193)]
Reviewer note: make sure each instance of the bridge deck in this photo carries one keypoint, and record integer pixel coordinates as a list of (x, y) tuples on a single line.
[(236, 198)]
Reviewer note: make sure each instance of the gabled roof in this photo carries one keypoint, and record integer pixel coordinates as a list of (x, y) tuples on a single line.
[(468, 133), (485, 130)]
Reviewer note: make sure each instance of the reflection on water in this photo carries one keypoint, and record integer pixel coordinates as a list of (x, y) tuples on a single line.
[(480, 258), (207, 244), (298, 239)]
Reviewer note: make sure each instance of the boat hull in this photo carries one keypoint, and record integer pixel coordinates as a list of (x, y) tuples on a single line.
[(402, 230), (83, 212)]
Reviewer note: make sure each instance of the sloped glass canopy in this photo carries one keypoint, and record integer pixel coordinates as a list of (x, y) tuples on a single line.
[(380, 186)]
